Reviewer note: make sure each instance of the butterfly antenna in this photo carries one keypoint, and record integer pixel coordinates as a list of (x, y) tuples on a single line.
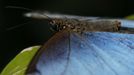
[(17, 7), (37, 15), (17, 26), (28, 9)]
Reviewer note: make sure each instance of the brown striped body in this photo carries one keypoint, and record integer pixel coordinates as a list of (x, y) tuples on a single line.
[(74, 25)]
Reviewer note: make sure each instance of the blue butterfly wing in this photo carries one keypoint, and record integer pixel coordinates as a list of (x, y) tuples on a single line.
[(92, 53), (112, 53)]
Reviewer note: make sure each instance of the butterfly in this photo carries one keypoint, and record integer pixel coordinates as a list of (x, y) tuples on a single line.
[(85, 46)]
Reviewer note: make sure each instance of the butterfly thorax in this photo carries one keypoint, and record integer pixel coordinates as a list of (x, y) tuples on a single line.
[(76, 25)]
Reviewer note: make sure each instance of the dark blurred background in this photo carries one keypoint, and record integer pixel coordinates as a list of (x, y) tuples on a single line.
[(36, 32)]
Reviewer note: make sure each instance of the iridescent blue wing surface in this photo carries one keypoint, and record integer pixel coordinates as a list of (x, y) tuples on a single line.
[(92, 53)]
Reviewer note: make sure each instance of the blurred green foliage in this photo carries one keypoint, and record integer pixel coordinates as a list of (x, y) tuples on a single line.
[(130, 17)]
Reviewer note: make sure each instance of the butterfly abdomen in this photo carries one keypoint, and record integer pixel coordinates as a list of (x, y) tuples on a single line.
[(75, 25)]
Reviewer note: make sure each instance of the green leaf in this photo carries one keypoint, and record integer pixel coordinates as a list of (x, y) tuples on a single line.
[(19, 64), (130, 17)]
